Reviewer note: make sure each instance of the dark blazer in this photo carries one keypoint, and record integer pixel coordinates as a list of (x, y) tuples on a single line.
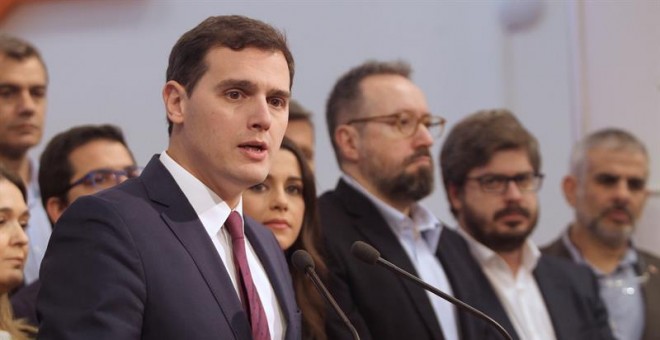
[(24, 303), (379, 303), (651, 289), (135, 262), (570, 293)]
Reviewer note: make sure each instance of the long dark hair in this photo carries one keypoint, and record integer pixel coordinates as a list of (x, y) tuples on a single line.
[(310, 302)]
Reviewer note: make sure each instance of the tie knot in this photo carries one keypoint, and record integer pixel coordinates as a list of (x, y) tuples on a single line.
[(234, 225)]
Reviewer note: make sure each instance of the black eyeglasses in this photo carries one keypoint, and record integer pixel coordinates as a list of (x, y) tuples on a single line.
[(105, 178), (498, 184), (407, 122)]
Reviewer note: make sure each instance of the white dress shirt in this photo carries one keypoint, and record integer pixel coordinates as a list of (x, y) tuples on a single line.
[(213, 212), (518, 292), (419, 236)]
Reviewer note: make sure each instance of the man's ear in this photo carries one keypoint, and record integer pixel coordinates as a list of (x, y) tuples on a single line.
[(55, 207), (174, 96), (454, 196), (570, 187), (348, 142)]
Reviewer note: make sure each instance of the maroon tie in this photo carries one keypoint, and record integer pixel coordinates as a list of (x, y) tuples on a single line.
[(249, 293)]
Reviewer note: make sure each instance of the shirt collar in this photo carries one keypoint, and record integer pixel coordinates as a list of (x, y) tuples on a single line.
[(212, 210), (629, 259), (421, 217), (486, 256)]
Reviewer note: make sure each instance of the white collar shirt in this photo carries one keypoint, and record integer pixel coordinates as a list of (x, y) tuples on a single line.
[(213, 212), (419, 235), (518, 292)]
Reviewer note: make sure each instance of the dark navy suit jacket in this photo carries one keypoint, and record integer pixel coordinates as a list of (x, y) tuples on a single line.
[(379, 303), (135, 262)]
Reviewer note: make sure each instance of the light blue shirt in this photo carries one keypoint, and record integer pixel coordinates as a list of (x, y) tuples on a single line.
[(419, 235), (38, 230), (620, 291)]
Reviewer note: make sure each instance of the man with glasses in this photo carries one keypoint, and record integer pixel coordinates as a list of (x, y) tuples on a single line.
[(491, 169), (382, 133), (607, 187), (80, 161)]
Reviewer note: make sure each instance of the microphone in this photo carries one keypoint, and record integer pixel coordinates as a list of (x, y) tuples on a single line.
[(368, 254), (304, 263)]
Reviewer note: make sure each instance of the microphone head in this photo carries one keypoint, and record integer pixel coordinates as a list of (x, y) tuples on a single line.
[(302, 260), (364, 252)]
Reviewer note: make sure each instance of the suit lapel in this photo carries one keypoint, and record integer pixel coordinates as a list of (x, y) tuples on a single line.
[(182, 220), (470, 285), (276, 273), (370, 223), (557, 303)]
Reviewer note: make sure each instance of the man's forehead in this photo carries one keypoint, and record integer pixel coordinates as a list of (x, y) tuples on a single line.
[(617, 162)]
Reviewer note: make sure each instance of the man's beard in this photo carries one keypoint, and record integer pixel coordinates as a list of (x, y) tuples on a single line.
[(610, 237), (478, 228), (402, 186)]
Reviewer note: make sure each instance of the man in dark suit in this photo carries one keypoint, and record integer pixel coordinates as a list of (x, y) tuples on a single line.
[(607, 187), (163, 256), (491, 169), (382, 133), (80, 161)]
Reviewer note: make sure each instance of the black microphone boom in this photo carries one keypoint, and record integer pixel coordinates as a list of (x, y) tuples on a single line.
[(304, 263), (368, 254)]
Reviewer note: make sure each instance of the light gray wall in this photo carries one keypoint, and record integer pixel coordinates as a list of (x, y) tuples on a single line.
[(107, 62)]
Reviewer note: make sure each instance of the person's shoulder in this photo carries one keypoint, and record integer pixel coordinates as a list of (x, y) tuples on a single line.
[(565, 268), (649, 257)]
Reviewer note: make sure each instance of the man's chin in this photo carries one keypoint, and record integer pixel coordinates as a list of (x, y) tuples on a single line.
[(614, 236)]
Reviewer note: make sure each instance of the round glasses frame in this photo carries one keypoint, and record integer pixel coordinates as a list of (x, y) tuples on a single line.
[(407, 122)]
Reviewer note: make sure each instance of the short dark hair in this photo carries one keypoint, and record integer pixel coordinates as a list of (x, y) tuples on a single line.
[(473, 141), (19, 50), (186, 63), (55, 168), (297, 112), (345, 100), (13, 179)]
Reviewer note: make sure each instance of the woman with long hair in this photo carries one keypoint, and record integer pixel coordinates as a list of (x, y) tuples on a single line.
[(14, 217), (286, 203)]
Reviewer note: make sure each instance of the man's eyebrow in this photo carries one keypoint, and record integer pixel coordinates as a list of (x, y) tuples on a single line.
[(280, 93), (239, 83)]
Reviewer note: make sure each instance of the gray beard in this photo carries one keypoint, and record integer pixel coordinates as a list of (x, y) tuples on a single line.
[(611, 239)]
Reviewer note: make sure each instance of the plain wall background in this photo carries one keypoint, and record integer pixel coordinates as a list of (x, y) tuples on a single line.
[(107, 62)]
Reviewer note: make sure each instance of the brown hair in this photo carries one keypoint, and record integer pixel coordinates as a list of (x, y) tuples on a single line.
[(13, 179), (345, 100), (297, 112), (55, 168), (310, 302), (18, 329), (18, 49), (474, 140), (186, 63)]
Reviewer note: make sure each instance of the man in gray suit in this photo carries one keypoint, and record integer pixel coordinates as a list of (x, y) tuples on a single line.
[(168, 255), (607, 188)]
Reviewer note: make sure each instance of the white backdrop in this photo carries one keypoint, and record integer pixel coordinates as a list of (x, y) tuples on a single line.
[(107, 63)]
